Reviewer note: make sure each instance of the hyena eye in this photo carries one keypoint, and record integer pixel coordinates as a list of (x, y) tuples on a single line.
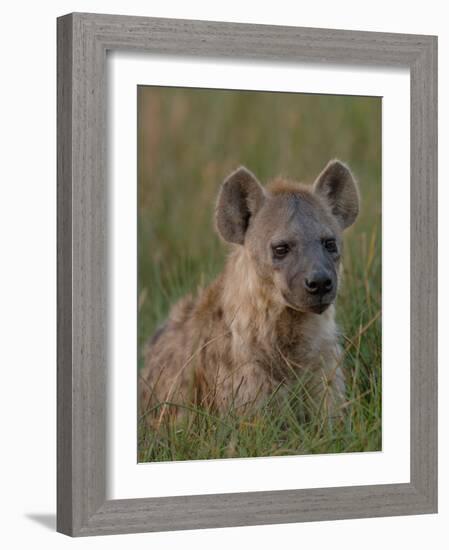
[(330, 245), (281, 250)]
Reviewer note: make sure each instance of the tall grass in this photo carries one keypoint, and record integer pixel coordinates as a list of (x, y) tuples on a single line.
[(189, 140)]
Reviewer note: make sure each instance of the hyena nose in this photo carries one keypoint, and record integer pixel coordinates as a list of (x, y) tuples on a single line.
[(318, 283)]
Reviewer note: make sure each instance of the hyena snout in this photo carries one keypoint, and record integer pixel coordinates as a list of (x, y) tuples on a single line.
[(310, 290), (319, 283)]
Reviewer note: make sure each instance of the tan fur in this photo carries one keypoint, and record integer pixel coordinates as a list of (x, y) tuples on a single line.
[(237, 342)]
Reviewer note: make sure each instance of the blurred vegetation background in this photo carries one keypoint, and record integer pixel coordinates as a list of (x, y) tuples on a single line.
[(188, 142)]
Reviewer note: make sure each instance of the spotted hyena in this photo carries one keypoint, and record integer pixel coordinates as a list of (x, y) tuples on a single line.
[(269, 317)]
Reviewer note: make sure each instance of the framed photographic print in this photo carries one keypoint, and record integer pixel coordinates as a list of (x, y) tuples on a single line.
[(250, 364), (247, 279)]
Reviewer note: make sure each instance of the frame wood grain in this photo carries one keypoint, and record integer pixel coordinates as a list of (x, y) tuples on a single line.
[(83, 40)]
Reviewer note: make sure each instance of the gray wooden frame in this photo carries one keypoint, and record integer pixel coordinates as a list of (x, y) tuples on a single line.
[(83, 40)]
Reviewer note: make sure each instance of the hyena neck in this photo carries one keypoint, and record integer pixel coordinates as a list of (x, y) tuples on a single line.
[(251, 305)]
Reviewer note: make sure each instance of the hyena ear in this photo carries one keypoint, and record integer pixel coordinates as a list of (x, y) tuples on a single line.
[(239, 199), (336, 185)]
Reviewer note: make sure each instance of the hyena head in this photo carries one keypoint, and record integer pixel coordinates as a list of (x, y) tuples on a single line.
[(292, 233)]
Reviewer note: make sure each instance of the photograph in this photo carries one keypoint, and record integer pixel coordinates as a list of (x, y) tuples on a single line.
[(259, 274)]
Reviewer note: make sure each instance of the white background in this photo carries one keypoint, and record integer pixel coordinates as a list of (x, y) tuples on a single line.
[(27, 277), (130, 480)]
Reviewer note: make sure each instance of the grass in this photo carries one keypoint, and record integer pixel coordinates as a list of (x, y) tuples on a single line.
[(189, 140)]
